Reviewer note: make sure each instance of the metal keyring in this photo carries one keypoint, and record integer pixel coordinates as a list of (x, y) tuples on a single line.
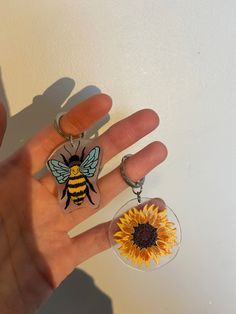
[(57, 126), (134, 185), (130, 182)]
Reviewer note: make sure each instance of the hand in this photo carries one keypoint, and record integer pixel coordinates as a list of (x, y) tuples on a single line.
[(36, 253)]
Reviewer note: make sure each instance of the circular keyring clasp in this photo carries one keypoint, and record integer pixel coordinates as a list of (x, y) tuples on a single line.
[(137, 186), (58, 128)]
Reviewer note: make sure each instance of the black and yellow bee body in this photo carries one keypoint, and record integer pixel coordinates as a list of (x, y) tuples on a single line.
[(77, 187), (74, 172)]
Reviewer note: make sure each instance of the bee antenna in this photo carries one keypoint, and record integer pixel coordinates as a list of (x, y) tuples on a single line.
[(77, 147), (67, 150)]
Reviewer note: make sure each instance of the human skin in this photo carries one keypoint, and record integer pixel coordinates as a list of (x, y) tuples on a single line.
[(36, 253)]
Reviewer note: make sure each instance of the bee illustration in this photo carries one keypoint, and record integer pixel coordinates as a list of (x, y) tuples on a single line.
[(74, 173)]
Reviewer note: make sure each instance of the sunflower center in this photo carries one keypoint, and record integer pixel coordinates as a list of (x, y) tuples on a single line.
[(144, 235)]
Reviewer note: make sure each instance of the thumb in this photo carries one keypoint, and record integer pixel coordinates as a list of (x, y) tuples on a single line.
[(3, 122)]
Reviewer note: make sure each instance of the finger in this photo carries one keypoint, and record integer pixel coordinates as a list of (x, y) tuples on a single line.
[(127, 132), (33, 155), (118, 137), (3, 122), (136, 167), (90, 243)]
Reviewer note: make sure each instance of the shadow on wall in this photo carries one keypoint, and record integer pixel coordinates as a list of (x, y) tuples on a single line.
[(77, 294), (42, 112)]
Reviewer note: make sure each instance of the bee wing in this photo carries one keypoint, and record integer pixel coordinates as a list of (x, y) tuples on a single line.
[(88, 166), (60, 171)]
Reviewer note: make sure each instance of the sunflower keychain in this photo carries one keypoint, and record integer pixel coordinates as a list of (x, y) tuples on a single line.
[(144, 233)]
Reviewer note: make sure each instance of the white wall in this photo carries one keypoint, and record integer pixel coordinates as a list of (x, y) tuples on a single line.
[(177, 57)]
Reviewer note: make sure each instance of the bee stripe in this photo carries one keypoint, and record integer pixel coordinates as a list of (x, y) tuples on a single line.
[(78, 199), (76, 185), (78, 202), (80, 193), (77, 177), (72, 190)]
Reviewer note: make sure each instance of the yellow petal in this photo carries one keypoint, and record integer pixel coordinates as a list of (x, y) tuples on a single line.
[(136, 212), (139, 261), (151, 208), (148, 262), (127, 217), (119, 241), (126, 228), (156, 258), (141, 217), (155, 250), (152, 219), (120, 234), (124, 221), (131, 212), (161, 243), (162, 213), (146, 210), (156, 209), (170, 224), (144, 254), (136, 251)]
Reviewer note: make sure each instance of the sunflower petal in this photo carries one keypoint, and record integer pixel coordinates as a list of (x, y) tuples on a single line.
[(156, 258), (153, 218), (141, 217), (120, 234), (124, 221), (146, 210), (126, 228)]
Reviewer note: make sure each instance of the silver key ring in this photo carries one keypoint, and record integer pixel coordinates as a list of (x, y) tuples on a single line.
[(58, 128), (133, 184)]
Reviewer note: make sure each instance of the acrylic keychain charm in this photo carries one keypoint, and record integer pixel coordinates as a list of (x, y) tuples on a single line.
[(144, 233), (75, 166)]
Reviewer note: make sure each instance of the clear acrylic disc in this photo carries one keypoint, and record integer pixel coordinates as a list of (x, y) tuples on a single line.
[(146, 235)]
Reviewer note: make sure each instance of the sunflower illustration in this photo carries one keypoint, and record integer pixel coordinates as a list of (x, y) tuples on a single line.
[(145, 234)]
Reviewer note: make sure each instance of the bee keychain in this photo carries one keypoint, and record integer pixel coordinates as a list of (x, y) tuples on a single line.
[(75, 165), (144, 233)]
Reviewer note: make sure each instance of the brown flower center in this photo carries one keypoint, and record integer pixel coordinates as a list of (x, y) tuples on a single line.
[(145, 235)]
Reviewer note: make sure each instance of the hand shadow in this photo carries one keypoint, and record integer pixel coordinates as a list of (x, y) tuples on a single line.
[(77, 294), (24, 124)]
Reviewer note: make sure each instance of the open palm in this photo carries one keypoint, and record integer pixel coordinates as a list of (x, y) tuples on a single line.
[(36, 252)]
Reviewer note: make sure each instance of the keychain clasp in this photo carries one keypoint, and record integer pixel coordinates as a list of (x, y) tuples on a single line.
[(137, 187)]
